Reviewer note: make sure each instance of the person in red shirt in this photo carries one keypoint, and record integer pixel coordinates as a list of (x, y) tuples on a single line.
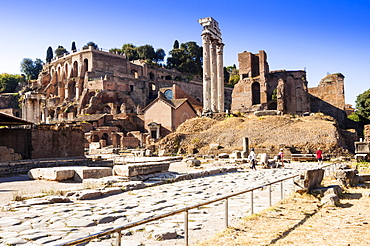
[(319, 156)]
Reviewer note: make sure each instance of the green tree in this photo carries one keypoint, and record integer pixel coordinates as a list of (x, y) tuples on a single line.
[(176, 44), (187, 59), (92, 44), (60, 51), (159, 55), (49, 54), (116, 51), (146, 52), (31, 68), (73, 48), (130, 51), (363, 107), (9, 82)]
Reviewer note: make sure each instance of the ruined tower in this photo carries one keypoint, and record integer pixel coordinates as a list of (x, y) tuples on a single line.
[(213, 68)]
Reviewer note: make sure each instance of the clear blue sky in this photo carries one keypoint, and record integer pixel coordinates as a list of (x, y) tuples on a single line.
[(323, 36)]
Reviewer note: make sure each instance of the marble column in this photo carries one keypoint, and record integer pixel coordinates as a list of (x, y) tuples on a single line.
[(206, 73), (214, 73), (220, 78)]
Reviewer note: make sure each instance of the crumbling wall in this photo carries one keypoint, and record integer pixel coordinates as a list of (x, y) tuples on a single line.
[(328, 97), (17, 139), (57, 141)]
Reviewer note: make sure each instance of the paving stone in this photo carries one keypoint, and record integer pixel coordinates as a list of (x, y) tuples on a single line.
[(9, 222), (14, 241), (17, 228), (80, 223), (45, 240)]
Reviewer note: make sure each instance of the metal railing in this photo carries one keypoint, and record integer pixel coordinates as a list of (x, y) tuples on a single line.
[(185, 210)]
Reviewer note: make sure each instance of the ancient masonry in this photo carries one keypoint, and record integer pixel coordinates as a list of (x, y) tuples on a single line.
[(213, 71)]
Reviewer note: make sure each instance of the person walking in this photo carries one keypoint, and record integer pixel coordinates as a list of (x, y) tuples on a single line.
[(319, 156), (280, 158), (252, 159)]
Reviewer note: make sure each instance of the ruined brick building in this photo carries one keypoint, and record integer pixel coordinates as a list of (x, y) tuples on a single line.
[(93, 82), (285, 91)]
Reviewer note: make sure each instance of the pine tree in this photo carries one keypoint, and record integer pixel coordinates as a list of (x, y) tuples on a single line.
[(49, 54)]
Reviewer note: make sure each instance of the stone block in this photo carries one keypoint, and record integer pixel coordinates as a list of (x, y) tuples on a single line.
[(82, 173), (311, 179), (264, 159), (330, 200), (53, 173), (130, 170)]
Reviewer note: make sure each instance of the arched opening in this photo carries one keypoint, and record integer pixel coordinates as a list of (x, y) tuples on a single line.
[(66, 70), (152, 91), (86, 66), (151, 76), (256, 97), (95, 138), (135, 73), (75, 69), (105, 137), (17, 114)]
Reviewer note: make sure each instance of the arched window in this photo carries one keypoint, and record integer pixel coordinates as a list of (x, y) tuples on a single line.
[(168, 94), (75, 69), (135, 73), (86, 66), (256, 97)]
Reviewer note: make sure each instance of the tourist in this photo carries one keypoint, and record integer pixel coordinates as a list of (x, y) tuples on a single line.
[(280, 158), (319, 156), (252, 159)]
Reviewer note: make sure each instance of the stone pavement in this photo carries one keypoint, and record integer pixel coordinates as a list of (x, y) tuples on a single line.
[(53, 224)]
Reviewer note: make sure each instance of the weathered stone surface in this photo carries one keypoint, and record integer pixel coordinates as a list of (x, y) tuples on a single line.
[(347, 177), (311, 179), (323, 191), (82, 173), (330, 200), (192, 162), (130, 170), (54, 173)]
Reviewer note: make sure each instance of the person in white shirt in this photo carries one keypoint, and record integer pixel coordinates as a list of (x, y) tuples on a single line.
[(252, 159)]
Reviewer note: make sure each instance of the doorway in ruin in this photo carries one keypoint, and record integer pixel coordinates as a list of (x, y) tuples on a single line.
[(106, 109), (85, 67), (95, 138), (256, 96), (106, 138), (72, 89)]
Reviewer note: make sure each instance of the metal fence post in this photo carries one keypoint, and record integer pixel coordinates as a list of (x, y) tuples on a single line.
[(270, 198), (226, 212), (282, 190), (186, 227), (118, 239), (252, 207)]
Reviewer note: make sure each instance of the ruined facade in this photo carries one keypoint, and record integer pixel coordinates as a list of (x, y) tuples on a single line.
[(260, 89)]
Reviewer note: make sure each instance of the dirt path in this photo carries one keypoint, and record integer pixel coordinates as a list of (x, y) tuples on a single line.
[(301, 220)]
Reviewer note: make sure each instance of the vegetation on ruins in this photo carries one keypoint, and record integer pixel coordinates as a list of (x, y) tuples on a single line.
[(9, 82), (231, 75), (144, 52), (60, 51), (49, 54), (187, 58), (362, 108), (90, 44), (31, 68)]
